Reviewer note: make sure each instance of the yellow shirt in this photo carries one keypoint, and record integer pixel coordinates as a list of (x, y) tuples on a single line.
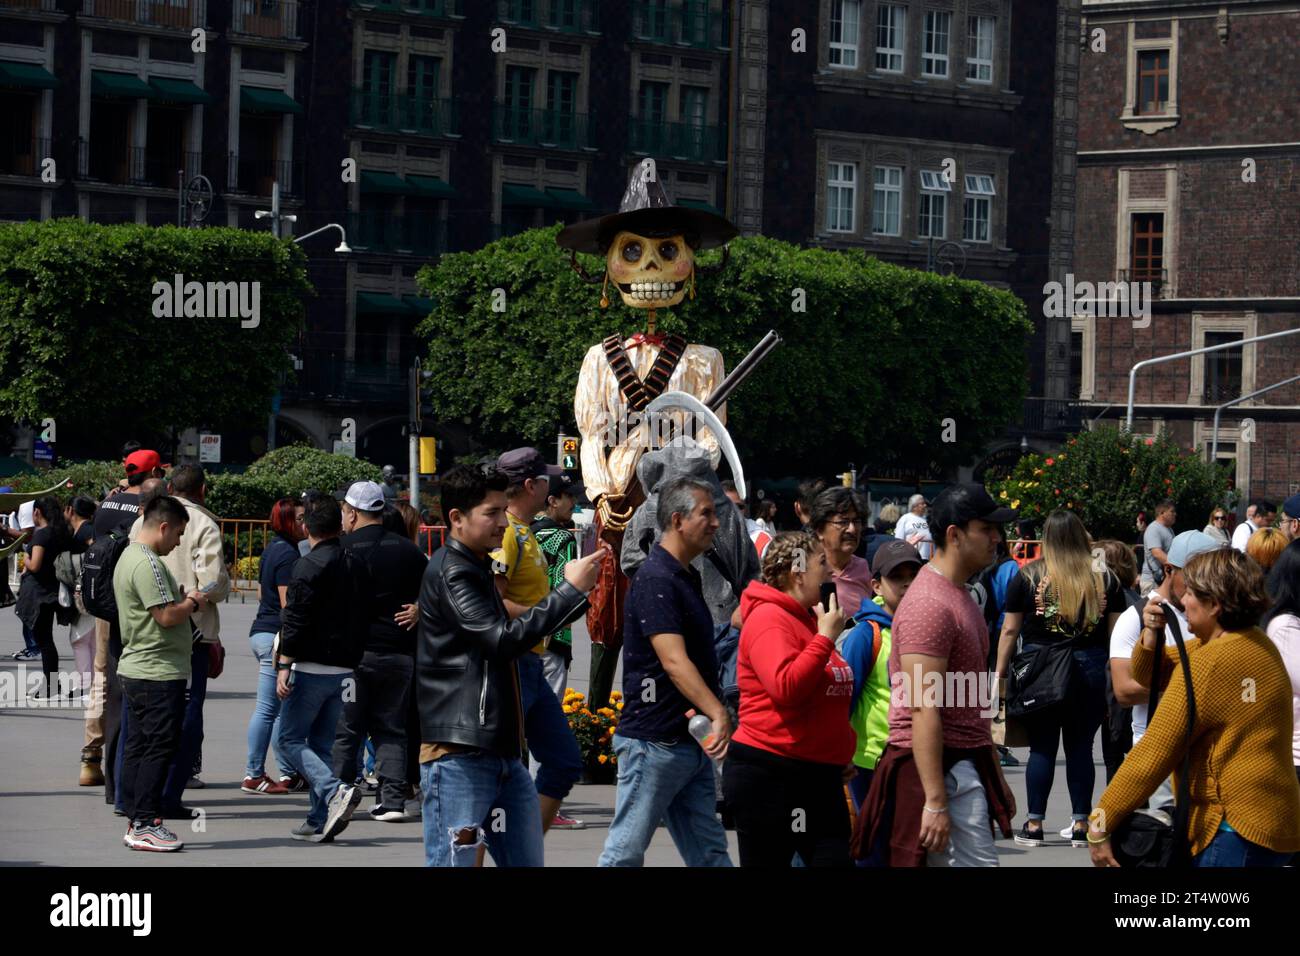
[(1241, 767), (521, 560)]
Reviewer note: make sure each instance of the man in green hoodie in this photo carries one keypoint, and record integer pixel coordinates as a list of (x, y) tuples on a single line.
[(866, 648)]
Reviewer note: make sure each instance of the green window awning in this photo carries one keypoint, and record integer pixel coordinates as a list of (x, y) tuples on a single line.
[(378, 303), (26, 75), (431, 187), (167, 90), (377, 182), (418, 306), (122, 86), (701, 206), (516, 195), (256, 99), (570, 199)]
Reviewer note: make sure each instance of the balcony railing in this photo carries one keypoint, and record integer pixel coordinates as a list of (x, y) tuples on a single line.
[(326, 375), (1051, 416), (45, 6), (256, 176), (22, 157), (179, 14), (682, 22), (541, 127), (567, 16), (404, 112), (274, 19), (689, 141), (415, 233), (135, 165), (426, 8)]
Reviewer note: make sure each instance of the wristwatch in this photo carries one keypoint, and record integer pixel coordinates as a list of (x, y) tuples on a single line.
[(282, 666)]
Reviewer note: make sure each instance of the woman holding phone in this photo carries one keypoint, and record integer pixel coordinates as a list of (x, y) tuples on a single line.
[(791, 754)]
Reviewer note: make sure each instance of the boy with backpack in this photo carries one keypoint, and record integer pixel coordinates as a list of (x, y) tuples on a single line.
[(865, 647)]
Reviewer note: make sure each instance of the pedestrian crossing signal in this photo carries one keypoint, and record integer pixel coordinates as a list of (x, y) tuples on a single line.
[(570, 446), (569, 462)]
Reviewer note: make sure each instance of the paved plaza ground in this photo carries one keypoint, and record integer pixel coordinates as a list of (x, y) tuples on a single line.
[(49, 821)]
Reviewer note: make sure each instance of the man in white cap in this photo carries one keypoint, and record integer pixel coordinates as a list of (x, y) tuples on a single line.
[(1129, 628), (384, 677)]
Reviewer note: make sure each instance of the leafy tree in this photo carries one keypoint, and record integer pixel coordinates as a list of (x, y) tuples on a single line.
[(1107, 476), (79, 341), (285, 472), (869, 371)]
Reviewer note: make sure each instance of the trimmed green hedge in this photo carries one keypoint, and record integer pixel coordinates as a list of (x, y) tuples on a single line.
[(79, 341)]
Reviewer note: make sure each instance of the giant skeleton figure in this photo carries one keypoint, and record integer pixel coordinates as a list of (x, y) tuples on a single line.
[(649, 247)]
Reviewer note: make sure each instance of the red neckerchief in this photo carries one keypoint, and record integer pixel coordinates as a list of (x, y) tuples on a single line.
[(640, 337)]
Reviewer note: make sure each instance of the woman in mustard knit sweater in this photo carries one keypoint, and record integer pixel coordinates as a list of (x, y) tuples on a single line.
[(1245, 799)]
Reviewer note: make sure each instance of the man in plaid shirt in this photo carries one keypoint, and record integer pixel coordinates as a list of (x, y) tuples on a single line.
[(551, 528)]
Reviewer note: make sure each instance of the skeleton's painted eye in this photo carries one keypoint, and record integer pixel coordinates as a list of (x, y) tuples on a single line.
[(631, 251), (668, 250)]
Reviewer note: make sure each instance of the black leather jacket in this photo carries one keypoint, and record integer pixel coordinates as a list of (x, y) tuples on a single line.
[(327, 616), (467, 684)]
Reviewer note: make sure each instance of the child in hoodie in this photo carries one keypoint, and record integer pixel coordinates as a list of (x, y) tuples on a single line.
[(865, 646)]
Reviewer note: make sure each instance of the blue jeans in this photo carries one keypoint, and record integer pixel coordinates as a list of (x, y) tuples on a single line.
[(550, 741), (1229, 848), (672, 783), (309, 718), (29, 639), (1075, 720), (264, 725), (491, 796), (191, 730)]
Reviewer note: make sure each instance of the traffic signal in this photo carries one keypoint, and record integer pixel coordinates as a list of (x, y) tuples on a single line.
[(421, 397), (428, 456), (569, 453)]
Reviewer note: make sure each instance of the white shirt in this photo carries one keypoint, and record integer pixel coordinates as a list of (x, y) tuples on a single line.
[(912, 524), (1128, 629), (1284, 631), (1242, 534)]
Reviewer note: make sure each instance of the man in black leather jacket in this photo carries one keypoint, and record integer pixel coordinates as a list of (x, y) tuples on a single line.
[(474, 785)]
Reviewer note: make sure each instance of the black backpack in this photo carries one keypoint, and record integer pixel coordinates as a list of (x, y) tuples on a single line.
[(97, 574)]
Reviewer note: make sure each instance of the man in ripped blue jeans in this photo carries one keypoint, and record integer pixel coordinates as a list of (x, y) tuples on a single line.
[(475, 788)]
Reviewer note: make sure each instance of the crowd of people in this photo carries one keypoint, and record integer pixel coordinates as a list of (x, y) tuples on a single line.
[(834, 696)]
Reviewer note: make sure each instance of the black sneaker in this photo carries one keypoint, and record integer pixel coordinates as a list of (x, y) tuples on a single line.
[(1006, 758), (1028, 837), (1079, 834)]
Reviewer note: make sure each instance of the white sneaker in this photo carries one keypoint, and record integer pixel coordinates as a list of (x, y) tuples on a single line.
[(341, 805), (1067, 831)]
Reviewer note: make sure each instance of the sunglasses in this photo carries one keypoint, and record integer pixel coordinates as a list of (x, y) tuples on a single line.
[(1220, 517)]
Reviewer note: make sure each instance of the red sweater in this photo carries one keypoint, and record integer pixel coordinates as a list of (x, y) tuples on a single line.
[(795, 689)]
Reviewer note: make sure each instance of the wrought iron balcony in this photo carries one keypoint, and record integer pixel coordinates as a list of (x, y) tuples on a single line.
[(135, 165), (690, 23), (256, 176), (1051, 416), (405, 113), (567, 16), (426, 8), (177, 14), (45, 6), (541, 127), (416, 233), (274, 19), (689, 141)]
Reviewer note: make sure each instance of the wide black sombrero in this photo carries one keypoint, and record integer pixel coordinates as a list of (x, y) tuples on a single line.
[(647, 211)]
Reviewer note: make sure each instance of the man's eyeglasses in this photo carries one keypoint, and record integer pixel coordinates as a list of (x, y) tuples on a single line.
[(845, 522)]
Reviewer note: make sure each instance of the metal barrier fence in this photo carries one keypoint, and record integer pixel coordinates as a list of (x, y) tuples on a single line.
[(247, 538)]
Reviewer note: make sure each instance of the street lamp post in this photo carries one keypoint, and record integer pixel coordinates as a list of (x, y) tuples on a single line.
[(276, 218)]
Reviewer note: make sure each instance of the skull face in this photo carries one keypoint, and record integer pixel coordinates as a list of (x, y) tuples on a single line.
[(650, 273)]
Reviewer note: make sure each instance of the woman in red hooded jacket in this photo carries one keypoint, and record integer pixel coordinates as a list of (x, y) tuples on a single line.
[(783, 778)]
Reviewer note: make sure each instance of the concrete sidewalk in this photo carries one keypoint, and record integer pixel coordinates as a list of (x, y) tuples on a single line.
[(49, 820)]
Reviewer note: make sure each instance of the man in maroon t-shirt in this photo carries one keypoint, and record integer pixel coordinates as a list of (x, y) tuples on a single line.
[(940, 743)]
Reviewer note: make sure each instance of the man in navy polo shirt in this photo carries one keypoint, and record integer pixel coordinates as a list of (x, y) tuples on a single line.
[(670, 671)]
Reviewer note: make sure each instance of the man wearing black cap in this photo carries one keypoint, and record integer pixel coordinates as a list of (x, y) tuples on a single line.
[(938, 784), (1290, 520), (523, 583)]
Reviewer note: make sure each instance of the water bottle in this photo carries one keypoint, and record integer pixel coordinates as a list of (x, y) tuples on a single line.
[(701, 729)]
